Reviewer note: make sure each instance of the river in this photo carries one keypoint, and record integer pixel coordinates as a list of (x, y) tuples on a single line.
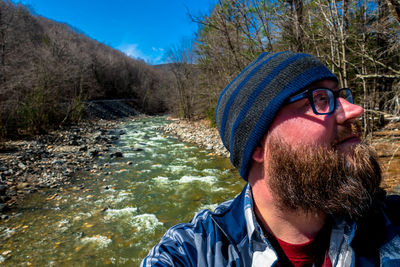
[(115, 213)]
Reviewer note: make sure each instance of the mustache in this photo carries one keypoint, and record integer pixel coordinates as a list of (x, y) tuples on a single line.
[(347, 131)]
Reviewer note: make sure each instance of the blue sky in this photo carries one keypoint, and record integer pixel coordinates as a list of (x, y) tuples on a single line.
[(141, 28)]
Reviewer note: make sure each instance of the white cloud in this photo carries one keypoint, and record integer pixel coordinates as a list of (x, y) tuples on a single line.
[(160, 49), (133, 51)]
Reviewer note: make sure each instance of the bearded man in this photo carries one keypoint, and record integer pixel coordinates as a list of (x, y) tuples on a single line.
[(313, 195)]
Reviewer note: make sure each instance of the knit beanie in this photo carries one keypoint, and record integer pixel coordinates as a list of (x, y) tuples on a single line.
[(248, 104)]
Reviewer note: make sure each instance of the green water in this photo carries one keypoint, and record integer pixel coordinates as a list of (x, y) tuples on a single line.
[(114, 214)]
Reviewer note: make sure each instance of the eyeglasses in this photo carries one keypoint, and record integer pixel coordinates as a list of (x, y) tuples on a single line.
[(323, 100)]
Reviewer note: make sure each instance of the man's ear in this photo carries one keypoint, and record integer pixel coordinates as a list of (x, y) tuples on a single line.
[(258, 154)]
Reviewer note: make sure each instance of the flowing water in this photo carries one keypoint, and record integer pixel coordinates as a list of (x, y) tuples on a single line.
[(113, 215)]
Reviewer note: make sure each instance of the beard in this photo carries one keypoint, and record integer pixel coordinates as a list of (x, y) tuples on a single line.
[(322, 179)]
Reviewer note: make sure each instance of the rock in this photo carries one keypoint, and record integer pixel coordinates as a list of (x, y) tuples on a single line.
[(137, 149), (57, 162), (9, 172), (3, 207), (93, 152), (21, 166), (12, 192), (105, 208), (117, 155), (99, 133), (129, 163), (21, 186), (67, 172), (74, 143), (80, 234), (4, 217), (22, 157), (4, 199), (3, 190)]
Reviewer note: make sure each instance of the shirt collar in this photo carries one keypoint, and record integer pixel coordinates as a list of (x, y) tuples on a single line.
[(255, 233), (260, 248)]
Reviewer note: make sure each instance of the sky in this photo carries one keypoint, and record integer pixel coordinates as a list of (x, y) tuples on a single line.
[(143, 29)]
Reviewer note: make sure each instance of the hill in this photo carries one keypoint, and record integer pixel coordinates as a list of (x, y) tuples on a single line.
[(48, 70)]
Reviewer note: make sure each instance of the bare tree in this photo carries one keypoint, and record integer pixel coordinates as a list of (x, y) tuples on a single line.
[(182, 66)]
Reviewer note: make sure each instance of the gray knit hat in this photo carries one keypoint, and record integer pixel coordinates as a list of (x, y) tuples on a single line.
[(248, 105)]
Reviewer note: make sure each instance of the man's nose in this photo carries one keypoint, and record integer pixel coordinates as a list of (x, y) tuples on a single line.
[(347, 112)]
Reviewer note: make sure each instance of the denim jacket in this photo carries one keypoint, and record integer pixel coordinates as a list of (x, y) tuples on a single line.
[(231, 236)]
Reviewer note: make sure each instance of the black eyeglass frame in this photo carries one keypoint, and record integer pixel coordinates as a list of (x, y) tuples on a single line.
[(332, 100)]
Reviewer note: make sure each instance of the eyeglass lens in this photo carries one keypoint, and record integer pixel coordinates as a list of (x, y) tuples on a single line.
[(324, 99), (346, 94)]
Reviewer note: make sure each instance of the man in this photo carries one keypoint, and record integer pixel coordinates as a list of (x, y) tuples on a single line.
[(313, 196)]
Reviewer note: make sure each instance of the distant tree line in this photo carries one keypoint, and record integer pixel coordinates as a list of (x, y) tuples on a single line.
[(48, 70), (358, 39)]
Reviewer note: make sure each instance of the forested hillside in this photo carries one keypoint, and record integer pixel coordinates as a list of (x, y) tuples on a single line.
[(48, 70), (358, 40)]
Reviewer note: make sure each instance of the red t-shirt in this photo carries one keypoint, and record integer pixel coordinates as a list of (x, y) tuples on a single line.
[(304, 255), (314, 251)]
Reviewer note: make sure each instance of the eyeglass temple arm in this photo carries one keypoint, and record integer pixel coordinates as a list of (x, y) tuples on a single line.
[(297, 97)]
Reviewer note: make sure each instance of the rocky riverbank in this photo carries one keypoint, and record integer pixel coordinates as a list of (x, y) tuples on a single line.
[(48, 161), (198, 132)]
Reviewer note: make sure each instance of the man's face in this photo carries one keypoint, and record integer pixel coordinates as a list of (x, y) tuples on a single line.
[(296, 124), (316, 162)]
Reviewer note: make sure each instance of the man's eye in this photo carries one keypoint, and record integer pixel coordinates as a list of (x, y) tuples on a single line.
[(320, 97)]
